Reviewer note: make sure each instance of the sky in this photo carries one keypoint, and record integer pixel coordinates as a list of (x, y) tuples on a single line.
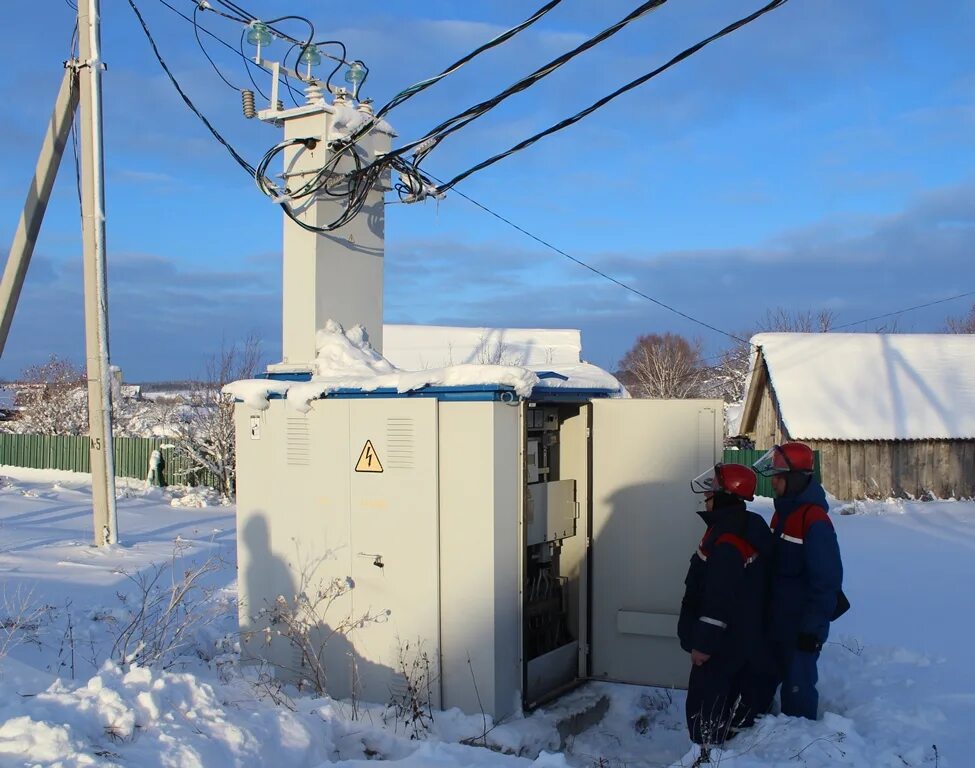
[(820, 159)]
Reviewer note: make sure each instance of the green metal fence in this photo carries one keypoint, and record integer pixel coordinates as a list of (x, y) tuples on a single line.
[(749, 457), (71, 453), (132, 458)]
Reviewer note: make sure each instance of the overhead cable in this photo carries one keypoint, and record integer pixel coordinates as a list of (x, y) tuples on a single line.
[(597, 271), (906, 309), (186, 99), (433, 137), (608, 98)]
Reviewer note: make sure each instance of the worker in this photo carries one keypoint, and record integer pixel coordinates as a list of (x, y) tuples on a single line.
[(722, 617), (806, 584)]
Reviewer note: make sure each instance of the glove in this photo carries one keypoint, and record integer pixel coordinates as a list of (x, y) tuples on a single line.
[(808, 643)]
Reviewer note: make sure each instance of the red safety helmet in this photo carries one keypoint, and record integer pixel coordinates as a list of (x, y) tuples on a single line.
[(734, 479), (788, 457)]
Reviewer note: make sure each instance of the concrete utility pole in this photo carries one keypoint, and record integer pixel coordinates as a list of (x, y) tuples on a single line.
[(25, 238), (96, 292)]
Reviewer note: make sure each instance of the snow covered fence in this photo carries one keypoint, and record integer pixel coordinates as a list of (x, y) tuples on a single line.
[(71, 452)]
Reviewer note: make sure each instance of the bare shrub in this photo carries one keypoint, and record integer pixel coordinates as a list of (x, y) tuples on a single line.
[(303, 622), (411, 703), (22, 619), (163, 617)]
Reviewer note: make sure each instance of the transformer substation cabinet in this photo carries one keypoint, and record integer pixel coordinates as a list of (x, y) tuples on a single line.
[(515, 546)]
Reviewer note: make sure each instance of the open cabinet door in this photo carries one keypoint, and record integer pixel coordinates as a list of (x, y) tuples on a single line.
[(644, 530)]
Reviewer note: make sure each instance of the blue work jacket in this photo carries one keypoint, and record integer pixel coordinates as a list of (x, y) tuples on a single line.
[(807, 572)]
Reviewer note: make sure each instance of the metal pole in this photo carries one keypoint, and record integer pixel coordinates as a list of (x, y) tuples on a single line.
[(25, 238), (96, 293)]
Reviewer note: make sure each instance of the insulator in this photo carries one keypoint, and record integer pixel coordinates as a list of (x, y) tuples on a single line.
[(247, 102), (280, 106), (313, 94)]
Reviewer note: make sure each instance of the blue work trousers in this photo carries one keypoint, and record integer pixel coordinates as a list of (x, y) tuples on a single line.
[(799, 677)]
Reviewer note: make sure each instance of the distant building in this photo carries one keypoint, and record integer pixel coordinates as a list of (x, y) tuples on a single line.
[(890, 414), (8, 397)]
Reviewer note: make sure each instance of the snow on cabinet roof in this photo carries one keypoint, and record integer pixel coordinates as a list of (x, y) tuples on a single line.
[(346, 360), (417, 347), (869, 386)]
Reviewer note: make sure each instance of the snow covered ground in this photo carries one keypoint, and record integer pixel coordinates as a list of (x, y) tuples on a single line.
[(898, 678)]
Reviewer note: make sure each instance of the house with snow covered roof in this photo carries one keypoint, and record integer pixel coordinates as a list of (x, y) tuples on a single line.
[(890, 414)]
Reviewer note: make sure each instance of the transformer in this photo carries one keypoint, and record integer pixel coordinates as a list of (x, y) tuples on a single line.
[(508, 547)]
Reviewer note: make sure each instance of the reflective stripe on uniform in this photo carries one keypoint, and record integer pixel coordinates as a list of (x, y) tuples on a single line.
[(715, 622), (793, 539), (700, 554)]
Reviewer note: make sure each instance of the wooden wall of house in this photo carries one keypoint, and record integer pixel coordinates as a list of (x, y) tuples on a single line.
[(904, 468), (767, 429)]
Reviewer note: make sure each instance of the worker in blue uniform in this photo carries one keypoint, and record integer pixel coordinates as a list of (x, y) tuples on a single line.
[(807, 577), (722, 614)]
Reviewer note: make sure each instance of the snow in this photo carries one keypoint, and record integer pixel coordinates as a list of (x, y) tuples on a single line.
[(897, 679), (868, 386), (346, 360), (416, 347)]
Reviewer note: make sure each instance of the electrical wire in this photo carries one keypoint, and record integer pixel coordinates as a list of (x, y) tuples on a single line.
[(687, 53), (421, 86), (906, 309), (186, 99), (595, 270), (199, 42), (219, 39), (75, 125), (433, 137)]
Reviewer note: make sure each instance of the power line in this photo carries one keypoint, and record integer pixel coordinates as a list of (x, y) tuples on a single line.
[(219, 39), (186, 99), (685, 54), (428, 142), (421, 86), (906, 309), (593, 269), (199, 42)]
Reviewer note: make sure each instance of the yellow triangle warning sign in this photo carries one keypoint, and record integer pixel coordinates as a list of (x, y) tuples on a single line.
[(368, 460)]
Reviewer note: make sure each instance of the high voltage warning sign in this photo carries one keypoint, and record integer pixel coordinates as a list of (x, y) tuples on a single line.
[(368, 460)]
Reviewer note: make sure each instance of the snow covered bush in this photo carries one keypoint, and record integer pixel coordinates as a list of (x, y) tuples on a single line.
[(52, 399)]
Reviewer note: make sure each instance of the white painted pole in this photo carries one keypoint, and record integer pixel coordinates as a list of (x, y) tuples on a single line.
[(96, 292), (25, 238)]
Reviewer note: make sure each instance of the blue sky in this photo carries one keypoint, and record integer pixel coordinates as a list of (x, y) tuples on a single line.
[(822, 158)]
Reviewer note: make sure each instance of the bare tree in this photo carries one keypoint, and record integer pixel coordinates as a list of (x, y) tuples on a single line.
[(962, 324), (727, 377), (786, 320), (205, 428), (52, 399), (663, 366)]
